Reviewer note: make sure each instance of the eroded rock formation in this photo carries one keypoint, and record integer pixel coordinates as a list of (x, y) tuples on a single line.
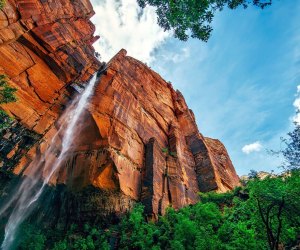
[(138, 141), (44, 45), (155, 152)]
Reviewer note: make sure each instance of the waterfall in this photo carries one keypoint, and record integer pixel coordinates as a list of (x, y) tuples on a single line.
[(42, 169)]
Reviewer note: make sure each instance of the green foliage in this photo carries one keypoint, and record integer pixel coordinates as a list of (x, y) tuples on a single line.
[(135, 231), (220, 199), (7, 93), (173, 154), (5, 120), (61, 245), (250, 217), (165, 150), (2, 3), (227, 221), (31, 238), (277, 207), (193, 17), (168, 152), (86, 238)]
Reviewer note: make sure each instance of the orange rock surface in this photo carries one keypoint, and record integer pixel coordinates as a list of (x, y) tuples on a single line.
[(44, 45), (139, 139)]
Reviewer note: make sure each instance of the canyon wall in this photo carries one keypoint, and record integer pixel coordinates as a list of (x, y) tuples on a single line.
[(44, 45), (154, 151), (138, 141)]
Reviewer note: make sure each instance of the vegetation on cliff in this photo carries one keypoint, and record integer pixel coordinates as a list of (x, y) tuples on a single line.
[(2, 3), (7, 95), (263, 214), (187, 17)]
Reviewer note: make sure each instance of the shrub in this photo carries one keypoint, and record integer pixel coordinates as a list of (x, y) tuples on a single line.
[(168, 152), (31, 238), (7, 93), (5, 120)]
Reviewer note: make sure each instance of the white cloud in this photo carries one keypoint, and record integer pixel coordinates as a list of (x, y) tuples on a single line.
[(253, 147), (177, 56), (122, 24), (296, 104)]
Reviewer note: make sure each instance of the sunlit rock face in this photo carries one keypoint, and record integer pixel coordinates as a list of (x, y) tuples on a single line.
[(43, 46), (139, 142), (154, 151)]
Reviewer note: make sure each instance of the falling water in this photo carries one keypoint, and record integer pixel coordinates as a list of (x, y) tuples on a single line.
[(47, 165)]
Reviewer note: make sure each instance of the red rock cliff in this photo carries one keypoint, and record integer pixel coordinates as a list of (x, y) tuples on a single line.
[(155, 150), (140, 142), (44, 45)]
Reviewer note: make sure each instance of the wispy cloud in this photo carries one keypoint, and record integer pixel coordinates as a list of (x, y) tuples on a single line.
[(123, 24), (253, 147), (176, 56)]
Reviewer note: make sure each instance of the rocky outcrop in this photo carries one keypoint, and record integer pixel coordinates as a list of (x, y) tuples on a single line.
[(139, 140), (44, 45), (158, 154)]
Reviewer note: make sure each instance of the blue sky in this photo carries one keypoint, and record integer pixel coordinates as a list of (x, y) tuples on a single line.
[(241, 85)]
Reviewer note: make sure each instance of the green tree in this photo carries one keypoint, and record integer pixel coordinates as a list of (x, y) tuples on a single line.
[(61, 245), (31, 238), (291, 151), (185, 17), (135, 232), (276, 201), (83, 238)]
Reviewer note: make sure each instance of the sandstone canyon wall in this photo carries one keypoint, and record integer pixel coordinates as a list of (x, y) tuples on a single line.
[(153, 149), (139, 140), (44, 45)]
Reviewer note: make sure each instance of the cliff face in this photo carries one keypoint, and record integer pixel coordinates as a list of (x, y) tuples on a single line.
[(139, 142), (154, 151), (43, 46)]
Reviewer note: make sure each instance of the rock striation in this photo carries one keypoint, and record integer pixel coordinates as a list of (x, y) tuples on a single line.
[(154, 151), (44, 45), (139, 142)]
